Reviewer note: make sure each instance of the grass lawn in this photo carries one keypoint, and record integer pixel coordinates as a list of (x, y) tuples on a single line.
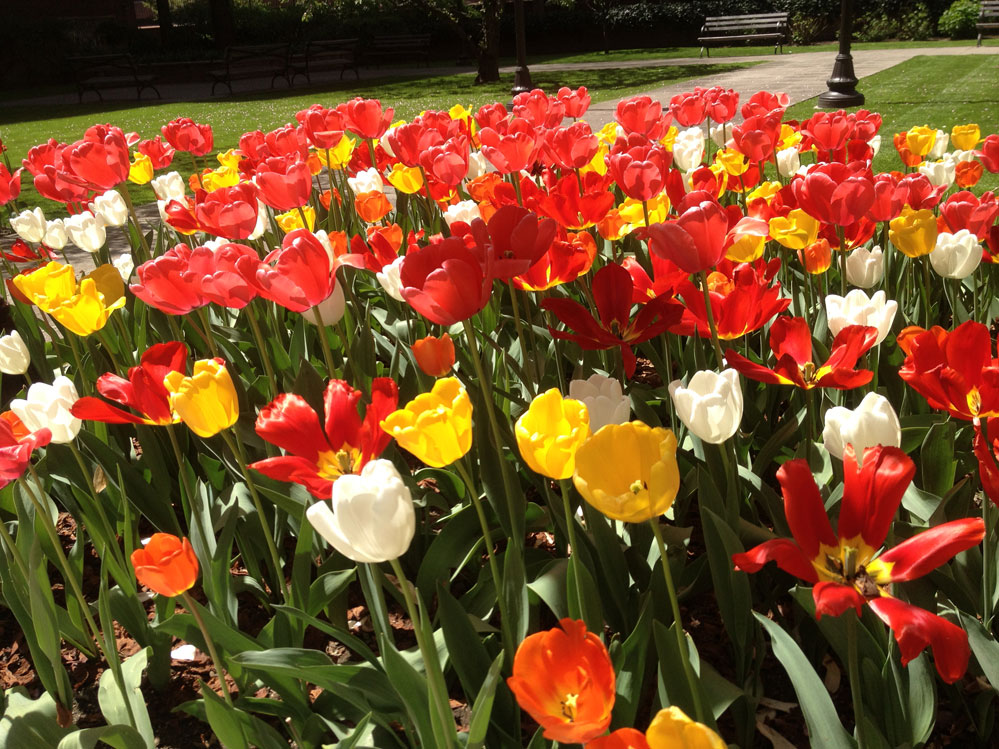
[(22, 127), (937, 91)]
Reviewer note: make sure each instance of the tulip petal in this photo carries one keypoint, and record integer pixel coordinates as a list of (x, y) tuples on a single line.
[(926, 551), (785, 552), (803, 506), (873, 492), (791, 336), (832, 599), (915, 628)]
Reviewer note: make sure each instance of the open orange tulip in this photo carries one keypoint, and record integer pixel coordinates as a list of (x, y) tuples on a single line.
[(166, 564)]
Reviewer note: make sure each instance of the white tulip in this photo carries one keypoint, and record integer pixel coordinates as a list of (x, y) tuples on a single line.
[(875, 144), (86, 231), (111, 207), (956, 255), (371, 517), (48, 406), (261, 226), (941, 172), (367, 180), (710, 405), (331, 309), (939, 146), (788, 162), (30, 225), (864, 268), (604, 400), (390, 277), (169, 186), (718, 133), (14, 356), (856, 308), (125, 265), (960, 156), (478, 165), (873, 422), (55, 234), (688, 148), (465, 210)]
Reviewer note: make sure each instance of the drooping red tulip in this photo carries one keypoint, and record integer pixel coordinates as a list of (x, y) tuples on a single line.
[(572, 209), (284, 183), (444, 281), (184, 134), (695, 241), (511, 241)]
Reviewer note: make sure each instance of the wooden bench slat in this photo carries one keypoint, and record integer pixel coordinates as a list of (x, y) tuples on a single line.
[(97, 72), (988, 19), (754, 26)]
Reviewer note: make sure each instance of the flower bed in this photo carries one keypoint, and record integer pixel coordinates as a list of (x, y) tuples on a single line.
[(452, 432)]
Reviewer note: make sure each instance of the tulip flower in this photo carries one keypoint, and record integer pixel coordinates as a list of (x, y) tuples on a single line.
[(444, 282), (564, 679), (795, 231), (986, 449), (111, 208), (756, 136), (669, 729), (206, 401), (863, 267), (141, 170), (184, 134), (10, 184), (914, 233), (302, 274), (16, 445), (845, 567), (166, 564), (143, 391), (82, 310), (710, 405), (816, 258), (874, 422), (956, 255), (229, 212), (788, 162), (688, 148), (604, 400), (695, 241), (967, 174), (56, 236), (284, 183), (612, 292), (329, 311), (436, 427), (434, 356), (642, 115), (791, 343), (29, 225), (688, 109), (14, 356), (86, 231), (159, 154), (550, 432), (50, 407), (512, 241), (169, 186), (835, 193), (575, 102), (628, 471), (370, 518), (964, 210), (640, 171), (317, 455), (365, 118), (856, 308), (100, 159), (954, 370)]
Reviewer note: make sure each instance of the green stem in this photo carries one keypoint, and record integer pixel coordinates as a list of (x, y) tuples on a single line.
[(216, 661), (262, 346), (523, 341), (853, 663), (681, 639), (711, 320), (147, 254), (109, 528), (209, 338), (327, 352)]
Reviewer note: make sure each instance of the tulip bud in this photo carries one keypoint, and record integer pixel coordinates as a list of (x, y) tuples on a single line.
[(434, 356), (939, 146), (125, 265), (688, 148), (856, 308), (465, 210), (166, 564), (30, 225), (550, 432), (604, 400), (50, 407), (370, 518), (368, 180), (330, 309), (111, 207), (206, 401), (872, 423), (956, 255), (864, 268), (941, 172), (436, 427), (390, 279), (169, 186), (14, 356), (86, 231), (710, 405), (788, 162), (55, 234)]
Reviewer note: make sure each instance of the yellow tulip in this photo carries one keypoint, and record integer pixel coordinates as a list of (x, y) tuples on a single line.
[(206, 401), (669, 138), (672, 728), (788, 137), (436, 427), (293, 219), (140, 172), (914, 233), (733, 162), (629, 471), (48, 286), (224, 176), (406, 179), (631, 210), (608, 133), (795, 231), (965, 137), (765, 190), (550, 432), (88, 310), (339, 155), (598, 163), (81, 310), (920, 139), (230, 158)]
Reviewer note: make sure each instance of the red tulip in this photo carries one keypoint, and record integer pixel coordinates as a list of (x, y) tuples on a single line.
[(963, 210), (889, 198), (565, 261), (988, 153), (688, 109), (302, 274), (323, 127), (845, 567), (444, 282), (284, 182), (643, 116), (722, 104), (100, 159), (287, 140), (538, 109), (16, 446), (43, 155), (639, 171), (835, 193), (828, 131), (921, 193), (575, 102), (571, 147), (412, 139), (756, 136), (184, 134), (666, 277), (448, 162), (791, 343), (229, 212), (763, 102), (160, 154), (696, 240), (226, 274), (434, 356), (10, 184), (317, 455), (166, 564), (572, 210), (365, 118), (166, 283), (491, 115), (512, 151), (511, 242)]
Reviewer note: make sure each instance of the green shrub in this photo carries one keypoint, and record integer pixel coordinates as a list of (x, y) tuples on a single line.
[(958, 21)]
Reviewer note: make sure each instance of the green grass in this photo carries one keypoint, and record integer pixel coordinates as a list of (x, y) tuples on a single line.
[(937, 91), (22, 127), (670, 53)]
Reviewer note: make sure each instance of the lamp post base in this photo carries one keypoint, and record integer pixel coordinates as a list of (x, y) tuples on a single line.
[(842, 91), (522, 81)]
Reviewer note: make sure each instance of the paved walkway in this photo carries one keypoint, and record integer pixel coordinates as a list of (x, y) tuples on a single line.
[(801, 75)]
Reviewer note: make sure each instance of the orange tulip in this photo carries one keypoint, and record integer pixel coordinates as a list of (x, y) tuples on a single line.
[(166, 564), (372, 206), (435, 356), (816, 257), (967, 174), (564, 679)]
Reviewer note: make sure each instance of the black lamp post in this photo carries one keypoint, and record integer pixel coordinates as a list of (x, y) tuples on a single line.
[(843, 83), (522, 76)]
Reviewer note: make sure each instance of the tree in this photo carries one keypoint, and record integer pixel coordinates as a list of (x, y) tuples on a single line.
[(223, 25), (477, 24)]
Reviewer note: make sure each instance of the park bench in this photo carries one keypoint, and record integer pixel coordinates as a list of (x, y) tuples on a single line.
[(322, 55), (400, 46), (103, 72), (763, 27), (253, 61), (988, 19)]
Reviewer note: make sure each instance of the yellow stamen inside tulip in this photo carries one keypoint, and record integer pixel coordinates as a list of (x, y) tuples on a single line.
[(569, 706)]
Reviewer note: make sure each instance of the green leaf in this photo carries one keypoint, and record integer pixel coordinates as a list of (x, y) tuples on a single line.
[(731, 587), (671, 670), (937, 466), (29, 724), (412, 688), (120, 737), (550, 587), (482, 709), (112, 701), (985, 648), (630, 663), (824, 725), (466, 652), (223, 720)]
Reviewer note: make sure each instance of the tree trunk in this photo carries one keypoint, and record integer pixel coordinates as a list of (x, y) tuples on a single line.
[(165, 21), (488, 67), (223, 25), (489, 46)]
